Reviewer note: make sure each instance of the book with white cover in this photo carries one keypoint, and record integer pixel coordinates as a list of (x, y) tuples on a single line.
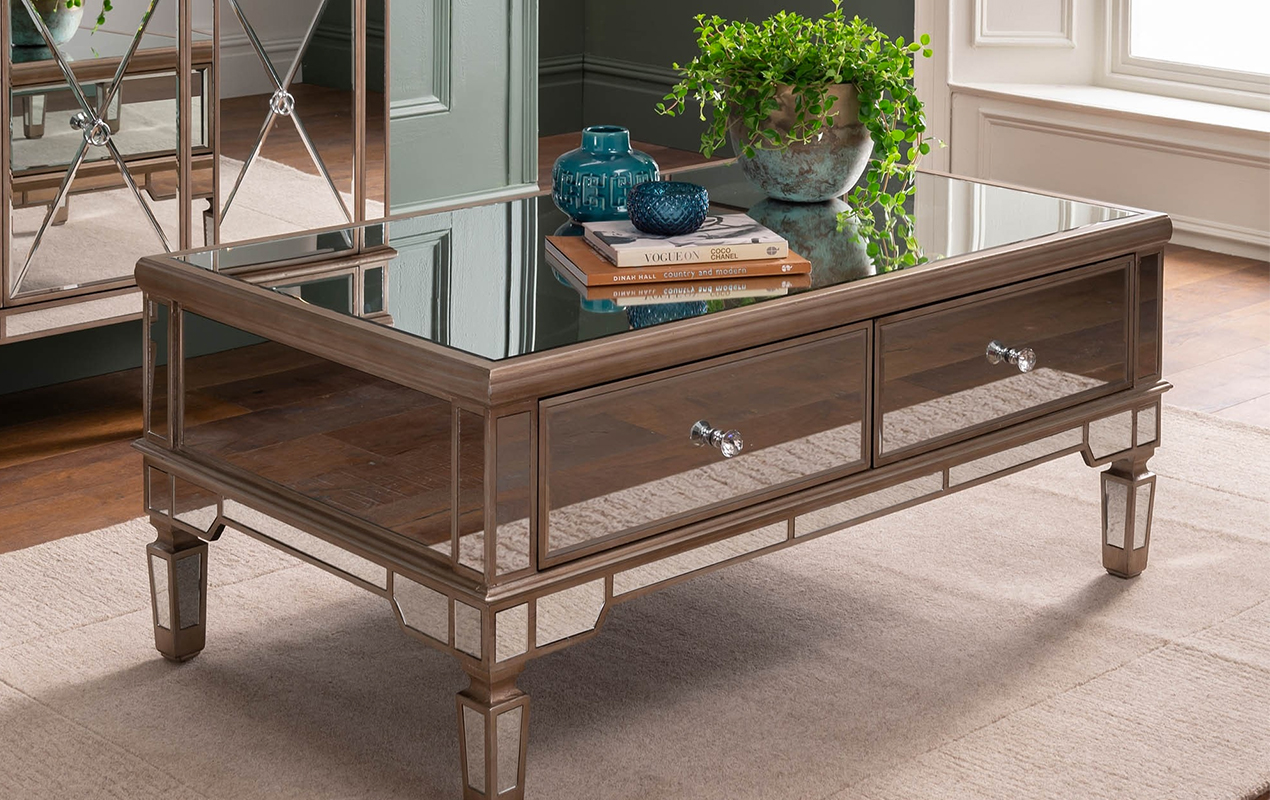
[(723, 237)]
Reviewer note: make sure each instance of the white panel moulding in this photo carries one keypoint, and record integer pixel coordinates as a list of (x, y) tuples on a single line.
[(1024, 23), (1213, 182)]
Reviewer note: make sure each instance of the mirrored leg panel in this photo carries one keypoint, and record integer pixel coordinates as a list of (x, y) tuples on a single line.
[(178, 592), (493, 737), (1128, 496)]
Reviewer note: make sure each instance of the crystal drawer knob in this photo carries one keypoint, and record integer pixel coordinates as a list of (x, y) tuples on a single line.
[(729, 443), (1022, 357)]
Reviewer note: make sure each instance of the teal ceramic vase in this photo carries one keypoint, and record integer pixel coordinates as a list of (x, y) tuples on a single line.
[(62, 22), (590, 183)]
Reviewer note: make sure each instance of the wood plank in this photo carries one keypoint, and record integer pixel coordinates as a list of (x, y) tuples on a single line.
[(1186, 265), (69, 494), (1223, 383)]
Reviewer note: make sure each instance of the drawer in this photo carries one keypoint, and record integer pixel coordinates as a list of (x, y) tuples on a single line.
[(936, 383), (620, 463)]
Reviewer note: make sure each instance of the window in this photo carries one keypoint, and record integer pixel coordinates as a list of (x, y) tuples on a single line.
[(1202, 51)]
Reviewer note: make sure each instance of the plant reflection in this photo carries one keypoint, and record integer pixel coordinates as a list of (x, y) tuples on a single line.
[(842, 247)]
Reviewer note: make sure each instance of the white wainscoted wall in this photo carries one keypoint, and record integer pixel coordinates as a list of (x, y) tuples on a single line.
[(1022, 93)]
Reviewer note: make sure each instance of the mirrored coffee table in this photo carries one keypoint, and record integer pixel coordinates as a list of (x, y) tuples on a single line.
[(427, 409)]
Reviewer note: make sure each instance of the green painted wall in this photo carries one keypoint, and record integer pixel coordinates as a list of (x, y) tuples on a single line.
[(561, 47), (82, 354), (329, 59), (462, 103), (40, 362), (627, 51)]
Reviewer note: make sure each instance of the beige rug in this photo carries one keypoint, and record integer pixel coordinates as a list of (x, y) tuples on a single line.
[(969, 648), (108, 232)]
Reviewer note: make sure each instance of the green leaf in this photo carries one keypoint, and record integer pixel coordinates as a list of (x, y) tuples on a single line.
[(925, 40)]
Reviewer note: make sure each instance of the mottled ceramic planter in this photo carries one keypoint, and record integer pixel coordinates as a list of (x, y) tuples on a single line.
[(62, 22), (815, 172)]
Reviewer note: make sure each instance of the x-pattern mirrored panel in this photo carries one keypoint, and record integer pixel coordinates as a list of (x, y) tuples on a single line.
[(291, 104), (93, 141)]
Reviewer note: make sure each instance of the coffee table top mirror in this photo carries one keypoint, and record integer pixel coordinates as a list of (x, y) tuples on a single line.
[(477, 279)]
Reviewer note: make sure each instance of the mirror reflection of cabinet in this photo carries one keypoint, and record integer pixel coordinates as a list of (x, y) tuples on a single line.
[(176, 124), (301, 97)]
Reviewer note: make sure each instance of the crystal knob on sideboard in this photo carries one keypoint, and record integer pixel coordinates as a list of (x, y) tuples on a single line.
[(1022, 357), (729, 443)]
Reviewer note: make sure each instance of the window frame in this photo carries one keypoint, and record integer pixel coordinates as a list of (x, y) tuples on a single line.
[(1122, 70)]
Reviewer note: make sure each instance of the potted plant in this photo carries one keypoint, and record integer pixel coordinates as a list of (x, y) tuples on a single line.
[(61, 17), (811, 105)]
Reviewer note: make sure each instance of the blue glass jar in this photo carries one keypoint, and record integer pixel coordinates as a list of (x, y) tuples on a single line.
[(590, 183), (668, 208)]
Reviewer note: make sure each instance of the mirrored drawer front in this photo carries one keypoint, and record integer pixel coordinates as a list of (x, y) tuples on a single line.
[(633, 460), (988, 360)]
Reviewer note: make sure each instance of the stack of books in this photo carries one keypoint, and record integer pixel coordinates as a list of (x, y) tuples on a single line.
[(731, 256)]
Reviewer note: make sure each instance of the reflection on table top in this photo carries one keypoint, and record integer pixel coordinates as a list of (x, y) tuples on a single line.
[(88, 45), (476, 278)]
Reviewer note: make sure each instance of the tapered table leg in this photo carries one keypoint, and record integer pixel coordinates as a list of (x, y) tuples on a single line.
[(493, 737), (33, 116), (178, 592), (1128, 496)]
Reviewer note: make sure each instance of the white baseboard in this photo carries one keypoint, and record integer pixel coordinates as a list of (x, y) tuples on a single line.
[(1220, 238), (241, 72)]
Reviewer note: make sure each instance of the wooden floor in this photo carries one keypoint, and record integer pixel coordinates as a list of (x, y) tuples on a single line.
[(66, 466), (1217, 334)]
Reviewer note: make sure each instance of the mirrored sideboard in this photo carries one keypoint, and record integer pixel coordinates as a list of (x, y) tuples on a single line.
[(176, 124)]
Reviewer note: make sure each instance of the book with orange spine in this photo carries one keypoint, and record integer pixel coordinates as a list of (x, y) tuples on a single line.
[(637, 294), (584, 263)]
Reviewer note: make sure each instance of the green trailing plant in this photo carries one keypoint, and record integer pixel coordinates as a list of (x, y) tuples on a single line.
[(741, 67), (106, 8)]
